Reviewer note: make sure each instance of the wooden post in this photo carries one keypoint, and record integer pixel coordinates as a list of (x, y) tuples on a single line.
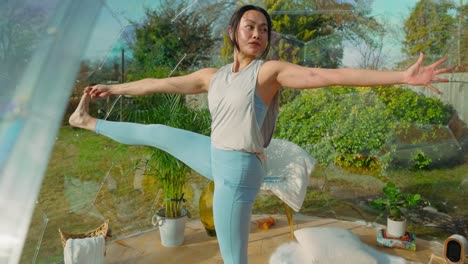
[(122, 80)]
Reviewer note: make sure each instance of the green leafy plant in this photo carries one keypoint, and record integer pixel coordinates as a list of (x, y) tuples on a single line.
[(170, 110), (421, 160), (360, 127), (172, 174), (394, 201)]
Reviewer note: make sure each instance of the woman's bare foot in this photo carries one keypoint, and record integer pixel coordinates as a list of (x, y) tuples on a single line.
[(81, 118)]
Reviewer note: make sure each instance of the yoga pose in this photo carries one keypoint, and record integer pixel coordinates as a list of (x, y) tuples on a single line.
[(243, 102)]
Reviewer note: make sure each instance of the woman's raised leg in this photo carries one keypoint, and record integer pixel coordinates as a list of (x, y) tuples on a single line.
[(191, 148)]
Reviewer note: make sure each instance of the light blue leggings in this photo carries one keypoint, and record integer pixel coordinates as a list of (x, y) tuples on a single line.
[(237, 176)]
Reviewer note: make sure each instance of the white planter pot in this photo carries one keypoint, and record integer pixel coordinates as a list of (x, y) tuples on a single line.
[(396, 228), (171, 230)]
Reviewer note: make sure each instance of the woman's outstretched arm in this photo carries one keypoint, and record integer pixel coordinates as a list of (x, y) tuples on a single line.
[(194, 83), (299, 77)]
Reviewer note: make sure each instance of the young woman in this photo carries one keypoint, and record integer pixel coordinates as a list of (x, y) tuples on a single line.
[(243, 102)]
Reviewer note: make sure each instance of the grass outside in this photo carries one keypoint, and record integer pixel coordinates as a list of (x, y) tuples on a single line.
[(91, 178)]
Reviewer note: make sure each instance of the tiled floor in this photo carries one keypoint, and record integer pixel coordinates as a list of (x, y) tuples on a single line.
[(198, 247)]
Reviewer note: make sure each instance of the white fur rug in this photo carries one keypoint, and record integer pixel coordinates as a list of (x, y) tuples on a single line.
[(329, 245), (288, 253)]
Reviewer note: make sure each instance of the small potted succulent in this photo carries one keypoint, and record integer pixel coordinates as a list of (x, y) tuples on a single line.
[(392, 203)]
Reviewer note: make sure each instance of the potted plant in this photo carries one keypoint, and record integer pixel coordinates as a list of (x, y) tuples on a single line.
[(170, 219), (393, 203), (170, 110)]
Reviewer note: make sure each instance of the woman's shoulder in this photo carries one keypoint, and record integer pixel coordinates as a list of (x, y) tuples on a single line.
[(274, 66), (275, 63), (203, 75), (209, 70), (205, 72)]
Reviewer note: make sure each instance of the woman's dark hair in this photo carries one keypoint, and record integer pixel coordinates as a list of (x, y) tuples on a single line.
[(235, 21)]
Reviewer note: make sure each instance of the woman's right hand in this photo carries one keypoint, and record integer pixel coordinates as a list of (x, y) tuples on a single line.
[(98, 91)]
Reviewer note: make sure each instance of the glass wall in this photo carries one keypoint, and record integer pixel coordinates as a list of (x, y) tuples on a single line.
[(362, 137)]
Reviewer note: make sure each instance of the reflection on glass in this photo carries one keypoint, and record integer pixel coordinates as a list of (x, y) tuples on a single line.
[(91, 178)]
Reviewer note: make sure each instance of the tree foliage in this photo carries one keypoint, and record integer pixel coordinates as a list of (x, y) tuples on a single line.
[(461, 56), (318, 29), (297, 30), (20, 27), (429, 29), (170, 36), (313, 33)]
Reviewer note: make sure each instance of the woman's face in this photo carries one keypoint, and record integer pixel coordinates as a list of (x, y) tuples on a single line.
[(252, 33)]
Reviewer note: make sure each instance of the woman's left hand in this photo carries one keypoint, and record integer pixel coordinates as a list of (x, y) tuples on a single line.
[(418, 74)]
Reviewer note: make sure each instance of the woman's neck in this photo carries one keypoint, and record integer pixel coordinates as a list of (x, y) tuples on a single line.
[(241, 61)]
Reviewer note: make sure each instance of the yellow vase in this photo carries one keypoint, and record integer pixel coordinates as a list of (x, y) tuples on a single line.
[(206, 209)]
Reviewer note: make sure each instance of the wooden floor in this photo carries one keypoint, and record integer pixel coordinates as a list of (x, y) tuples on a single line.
[(198, 247)]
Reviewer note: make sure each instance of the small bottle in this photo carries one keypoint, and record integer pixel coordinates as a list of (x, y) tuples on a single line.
[(206, 209)]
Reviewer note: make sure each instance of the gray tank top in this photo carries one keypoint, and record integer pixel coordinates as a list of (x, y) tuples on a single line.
[(232, 104)]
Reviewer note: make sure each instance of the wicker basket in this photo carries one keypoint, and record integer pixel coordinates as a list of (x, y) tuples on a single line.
[(102, 230)]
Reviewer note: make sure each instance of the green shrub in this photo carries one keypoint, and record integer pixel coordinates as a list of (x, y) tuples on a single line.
[(356, 127), (409, 107), (421, 160)]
